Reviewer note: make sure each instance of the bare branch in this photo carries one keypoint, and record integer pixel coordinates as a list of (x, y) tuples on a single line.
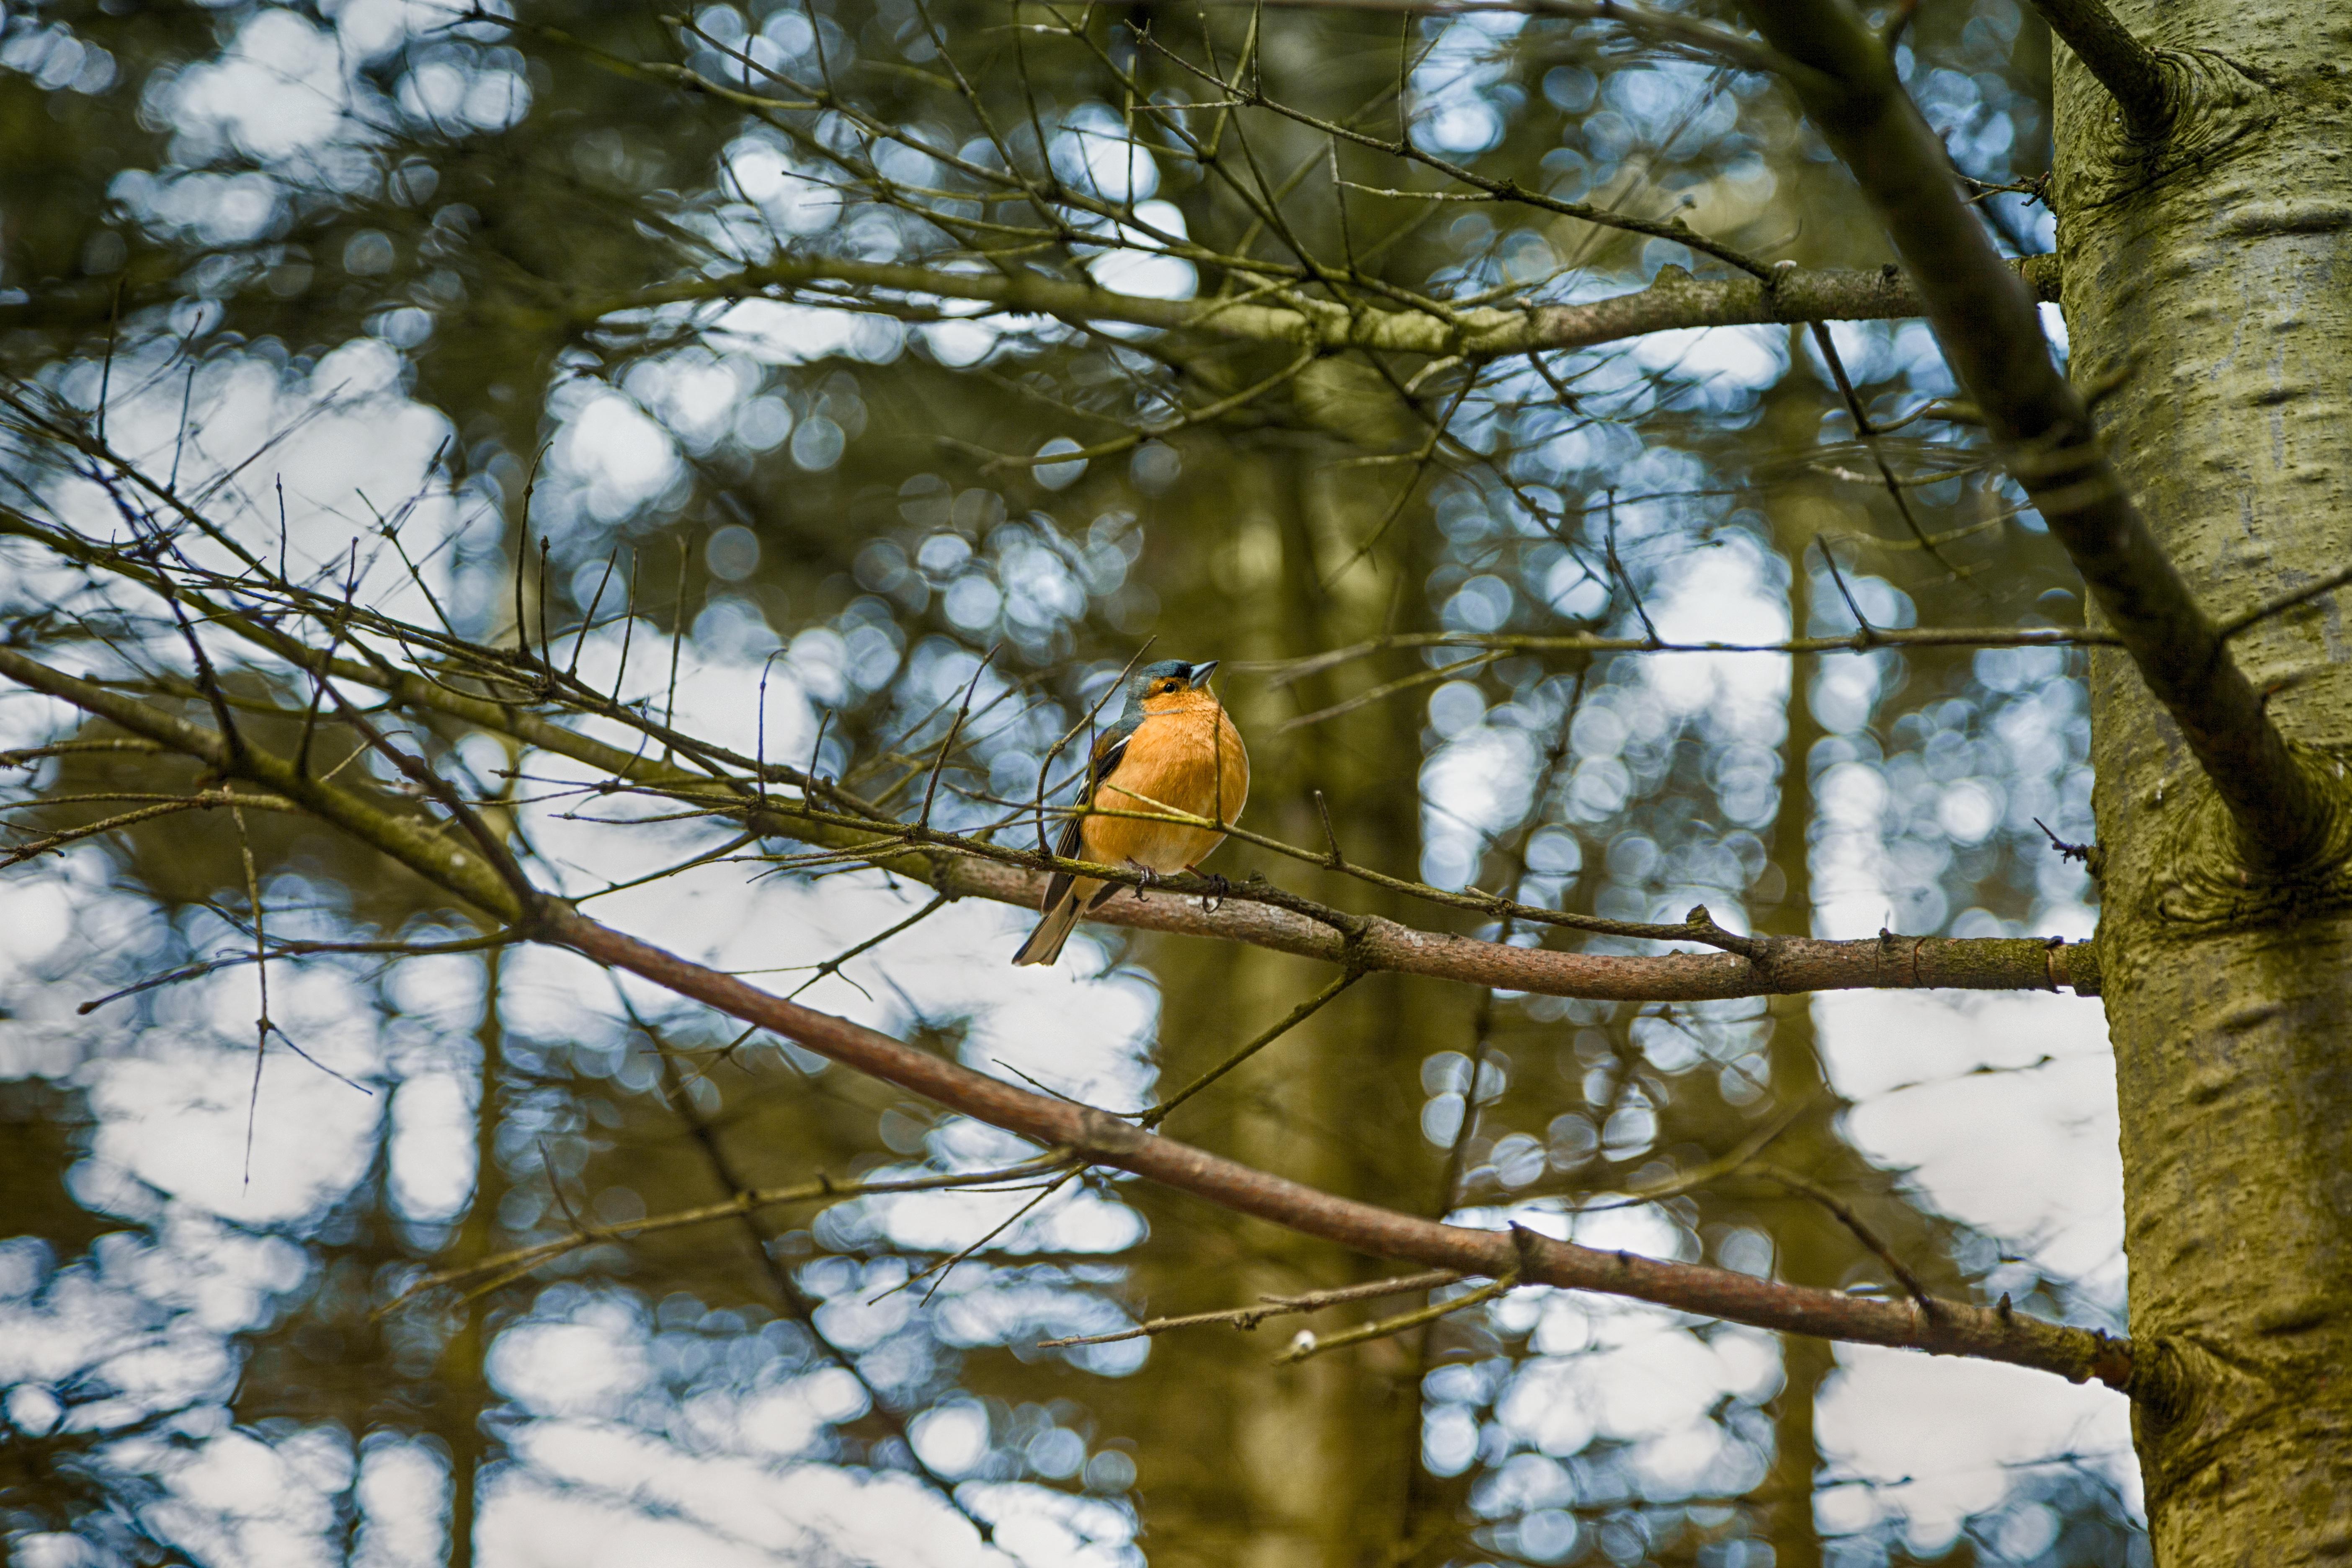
[(304, 950), (1861, 640), (522, 1260), (1844, 1213), (1309, 1344), (1266, 915), (31, 754), (1951, 1328), (1674, 302), (414, 842), (164, 806), (1258, 912), (1269, 1307), (1644, 21), (1299, 1014)]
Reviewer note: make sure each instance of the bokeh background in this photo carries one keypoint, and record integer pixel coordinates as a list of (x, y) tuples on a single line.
[(369, 279)]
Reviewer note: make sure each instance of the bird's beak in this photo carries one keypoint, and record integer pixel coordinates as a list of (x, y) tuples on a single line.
[(1201, 673)]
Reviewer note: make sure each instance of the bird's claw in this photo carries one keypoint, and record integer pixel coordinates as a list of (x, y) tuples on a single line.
[(1214, 898), (1151, 880)]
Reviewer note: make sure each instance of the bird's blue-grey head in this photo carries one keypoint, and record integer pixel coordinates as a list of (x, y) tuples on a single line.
[(1165, 678)]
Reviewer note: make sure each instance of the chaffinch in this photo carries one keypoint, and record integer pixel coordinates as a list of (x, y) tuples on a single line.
[(1172, 746)]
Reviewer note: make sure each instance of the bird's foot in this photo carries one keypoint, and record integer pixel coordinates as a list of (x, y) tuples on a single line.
[(1215, 900), (1151, 880)]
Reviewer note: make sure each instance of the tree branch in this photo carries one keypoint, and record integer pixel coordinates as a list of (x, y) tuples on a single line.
[(1942, 1328), (1993, 341), (1645, 22), (515, 1262), (1309, 1344), (1248, 1317), (1945, 1328), (413, 843), (1766, 966), (2127, 68), (1677, 300), (849, 829), (1862, 639)]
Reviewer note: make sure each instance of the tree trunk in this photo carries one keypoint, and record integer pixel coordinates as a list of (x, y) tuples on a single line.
[(2207, 278), (1301, 1467), (1806, 1254), (462, 1382)]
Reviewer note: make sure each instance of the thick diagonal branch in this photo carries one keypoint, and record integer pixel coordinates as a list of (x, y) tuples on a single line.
[(1938, 1327), (1993, 339)]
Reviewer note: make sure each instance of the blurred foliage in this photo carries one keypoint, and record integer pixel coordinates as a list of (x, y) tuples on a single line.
[(223, 223)]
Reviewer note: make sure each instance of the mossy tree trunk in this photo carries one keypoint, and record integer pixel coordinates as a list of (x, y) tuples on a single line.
[(2209, 281)]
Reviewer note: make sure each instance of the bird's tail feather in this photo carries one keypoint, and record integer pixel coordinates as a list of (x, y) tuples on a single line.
[(1045, 944)]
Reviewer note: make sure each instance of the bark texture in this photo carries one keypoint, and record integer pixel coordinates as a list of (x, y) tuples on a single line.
[(2210, 269)]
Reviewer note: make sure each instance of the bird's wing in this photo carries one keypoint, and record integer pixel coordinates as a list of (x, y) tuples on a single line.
[(1110, 750)]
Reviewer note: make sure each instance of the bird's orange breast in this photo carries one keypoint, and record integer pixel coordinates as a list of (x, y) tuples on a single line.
[(1186, 754)]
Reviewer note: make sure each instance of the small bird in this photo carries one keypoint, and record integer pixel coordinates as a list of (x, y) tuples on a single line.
[(1172, 746)]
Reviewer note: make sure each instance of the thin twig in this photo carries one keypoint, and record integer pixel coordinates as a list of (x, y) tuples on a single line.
[(2232, 626), (306, 949), (261, 974), (748, 1201), (1284, 672), (963, 712), (1844, 1214), (1309, 1345), (1045, 768), (1869, 434), (52, 843), (832, 965), (1297, 1016), (1248, 1317)]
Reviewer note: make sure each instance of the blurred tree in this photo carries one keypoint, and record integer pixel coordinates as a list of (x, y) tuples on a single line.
[(471, 470)]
